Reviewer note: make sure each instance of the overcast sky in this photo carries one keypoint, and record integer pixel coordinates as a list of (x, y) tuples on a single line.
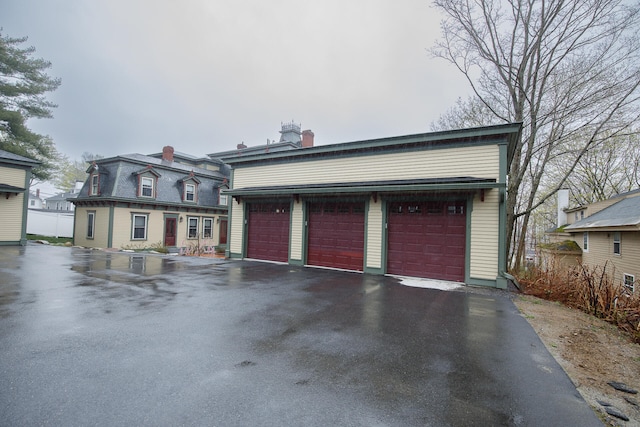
[(205, 75)]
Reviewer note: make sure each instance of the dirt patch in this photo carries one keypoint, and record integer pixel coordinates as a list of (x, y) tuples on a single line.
[(592, 352)]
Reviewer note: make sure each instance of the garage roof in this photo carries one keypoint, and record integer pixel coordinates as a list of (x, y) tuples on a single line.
[(507, 133), (430, 184)]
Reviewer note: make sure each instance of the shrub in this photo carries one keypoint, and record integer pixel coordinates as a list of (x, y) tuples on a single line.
[(589, 289)]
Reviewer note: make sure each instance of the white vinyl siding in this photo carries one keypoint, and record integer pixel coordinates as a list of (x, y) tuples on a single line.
[(297, 231), (479, 162), (484, 237), (374, 235)]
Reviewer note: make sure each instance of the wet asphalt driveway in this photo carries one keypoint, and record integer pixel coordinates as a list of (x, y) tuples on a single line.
[(97, 338)]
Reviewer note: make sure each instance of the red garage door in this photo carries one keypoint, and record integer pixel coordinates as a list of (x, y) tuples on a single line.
[(268, 231), (427, 239), (336, 235)]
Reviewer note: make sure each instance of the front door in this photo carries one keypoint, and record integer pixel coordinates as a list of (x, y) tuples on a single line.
[(223, 232), (169, 232)]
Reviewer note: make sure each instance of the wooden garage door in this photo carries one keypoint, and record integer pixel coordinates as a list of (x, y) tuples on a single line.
[(427, 239), (336, 235), (268, 231)]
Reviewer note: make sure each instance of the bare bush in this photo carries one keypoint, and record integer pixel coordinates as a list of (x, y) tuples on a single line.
[(587, 288)]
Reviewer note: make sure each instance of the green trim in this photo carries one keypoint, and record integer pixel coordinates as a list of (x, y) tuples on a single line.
[(110, 228), (467, 249), (372, 270), (296, 262), (367, 204), (11, 243), (359, 188), (25, 207), (305, 232), (502, 212), (164, 227), (482, 282), (234, 255), (245, 228), (93, 224), (290, 231), (384, 232), (227, 252), (146, 226)]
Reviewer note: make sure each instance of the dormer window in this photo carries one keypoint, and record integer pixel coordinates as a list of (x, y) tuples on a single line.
[(190, 188), (147, 182), (95, 184), (146, 187), (189, 192), (222, 198)]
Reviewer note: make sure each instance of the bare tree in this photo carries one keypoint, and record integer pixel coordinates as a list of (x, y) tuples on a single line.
[(569, 70), (605, 169)]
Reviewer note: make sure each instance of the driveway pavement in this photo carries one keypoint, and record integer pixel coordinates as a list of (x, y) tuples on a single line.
[(98, 338)]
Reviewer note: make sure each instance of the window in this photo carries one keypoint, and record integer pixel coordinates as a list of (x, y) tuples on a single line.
[(576, 216), (190, 192), (139, 226), (207, 228), (146, 186), (192, 227), (95, 184), (32, 202), (91, 223), (629, 282), (223, 197), (585, 241), (581, 214), (616, 243)]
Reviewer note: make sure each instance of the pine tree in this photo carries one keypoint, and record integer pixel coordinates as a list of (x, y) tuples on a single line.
[(23, 85)]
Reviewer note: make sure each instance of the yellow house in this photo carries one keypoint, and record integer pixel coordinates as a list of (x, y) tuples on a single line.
[(428, 205), (15, 176), (144, 201)]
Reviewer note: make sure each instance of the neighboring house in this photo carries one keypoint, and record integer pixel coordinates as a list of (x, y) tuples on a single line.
[(609, 233), (428, 205), (142, 201), (62, 202), (15, 176), (35, 201)]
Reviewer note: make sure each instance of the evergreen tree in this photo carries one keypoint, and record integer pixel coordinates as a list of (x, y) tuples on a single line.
[(23, 85)]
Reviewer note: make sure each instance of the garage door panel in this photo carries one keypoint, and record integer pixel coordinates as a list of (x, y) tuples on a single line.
[(268, 231), (427, 239), (336, 235)]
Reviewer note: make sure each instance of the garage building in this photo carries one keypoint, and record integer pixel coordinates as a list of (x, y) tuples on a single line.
[(428, 205)]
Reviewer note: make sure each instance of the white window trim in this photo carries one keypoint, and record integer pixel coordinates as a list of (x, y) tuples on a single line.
[(95, 184), (633, 281), (133, 225), (142, 186), (186, 192), (223, 199), (585, 239), (91, 224), (197, 219), (204, 222)]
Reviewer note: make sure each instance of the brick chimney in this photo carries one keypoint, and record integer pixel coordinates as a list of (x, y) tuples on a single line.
[(307, 138), (241, 146), (167, 153)]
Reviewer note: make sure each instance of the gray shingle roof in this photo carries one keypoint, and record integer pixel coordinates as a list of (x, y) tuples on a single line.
[(5, 155), (119, 180), (624, 213)]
